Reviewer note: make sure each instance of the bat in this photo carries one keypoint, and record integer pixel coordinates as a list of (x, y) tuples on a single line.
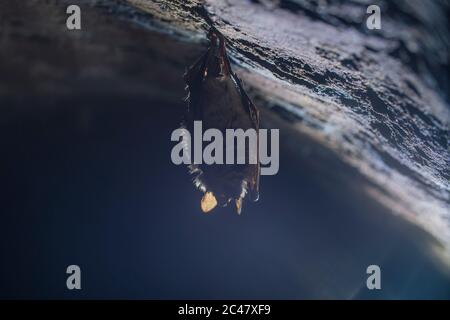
[(217, 98)]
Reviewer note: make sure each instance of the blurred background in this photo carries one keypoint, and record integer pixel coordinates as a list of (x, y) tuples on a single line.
[(85, 123)]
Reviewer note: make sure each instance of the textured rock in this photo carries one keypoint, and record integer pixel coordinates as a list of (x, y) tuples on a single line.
[(85, 125), (372, 97)]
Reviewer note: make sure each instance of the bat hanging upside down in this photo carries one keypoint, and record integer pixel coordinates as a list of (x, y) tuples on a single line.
[(217, 98)]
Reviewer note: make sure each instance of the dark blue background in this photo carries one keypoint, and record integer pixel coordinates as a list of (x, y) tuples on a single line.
[(90, 182)]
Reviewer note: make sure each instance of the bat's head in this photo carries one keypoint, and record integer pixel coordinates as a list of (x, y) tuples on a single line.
[(209, 202), (228, 186)]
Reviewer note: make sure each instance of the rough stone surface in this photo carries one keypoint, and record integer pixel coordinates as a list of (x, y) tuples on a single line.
[(84, 127), (376, 98)]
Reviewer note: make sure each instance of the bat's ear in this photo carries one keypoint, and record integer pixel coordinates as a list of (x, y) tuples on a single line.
[(238, 205), (254, 188), (208, 202), (254, 195)]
